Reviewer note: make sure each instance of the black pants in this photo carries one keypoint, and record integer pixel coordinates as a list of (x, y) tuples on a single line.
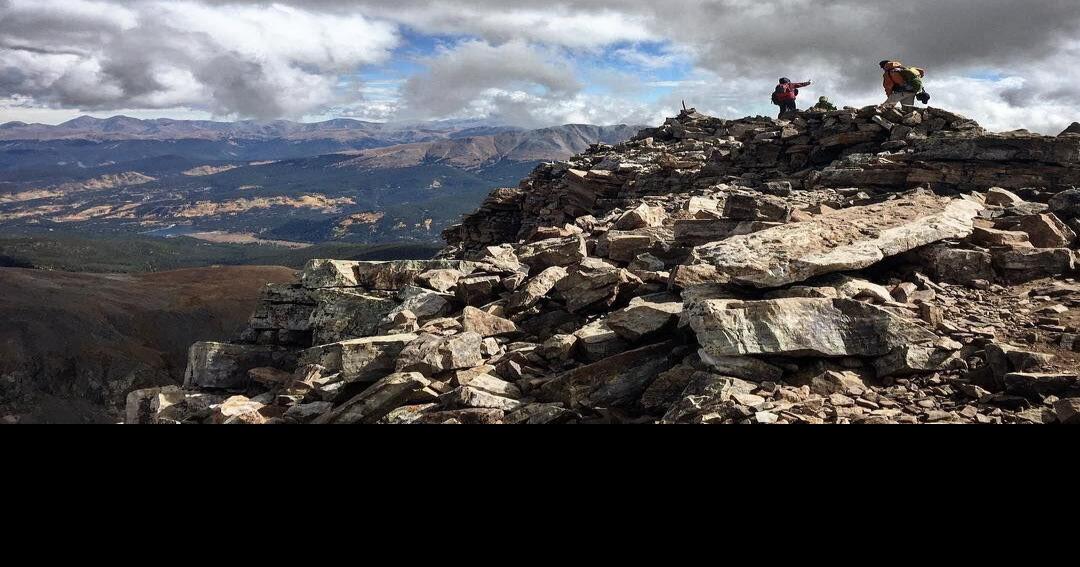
[(786, 106)]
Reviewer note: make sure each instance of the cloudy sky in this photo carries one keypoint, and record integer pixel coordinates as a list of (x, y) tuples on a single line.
[(1007, 63)]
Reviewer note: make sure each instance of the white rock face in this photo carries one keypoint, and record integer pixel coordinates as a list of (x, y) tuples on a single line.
[(848, 239)]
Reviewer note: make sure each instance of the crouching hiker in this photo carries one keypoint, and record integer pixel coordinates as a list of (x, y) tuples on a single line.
[(823, 105), (902, 84), (785, 93)]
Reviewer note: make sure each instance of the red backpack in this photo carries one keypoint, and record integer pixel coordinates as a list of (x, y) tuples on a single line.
[(783, 92)]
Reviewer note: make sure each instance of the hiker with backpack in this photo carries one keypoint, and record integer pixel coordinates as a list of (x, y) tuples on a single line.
[(903, 84), (823, 105), (785, 93)]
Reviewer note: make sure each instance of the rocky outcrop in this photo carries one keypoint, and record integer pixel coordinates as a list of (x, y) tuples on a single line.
[(854, 266)]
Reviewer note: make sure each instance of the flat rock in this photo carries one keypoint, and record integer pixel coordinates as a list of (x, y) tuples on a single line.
[(1042, 383), (800, 326), (848, 239)]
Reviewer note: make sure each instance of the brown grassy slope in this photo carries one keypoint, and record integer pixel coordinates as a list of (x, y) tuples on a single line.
[(73, 344)]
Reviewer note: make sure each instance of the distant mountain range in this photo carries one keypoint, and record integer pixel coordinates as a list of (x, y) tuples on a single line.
[(272, 183)]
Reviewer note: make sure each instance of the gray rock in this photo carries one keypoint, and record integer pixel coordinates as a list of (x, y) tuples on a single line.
[(953, 265), (224, 365), (432, 354), (1066, 204), (742, 367), (709, 398), (1023, 264), (1068, 410), (800, 326), (1042, 383), (470, 397), (358, 360), (319, 273), (304, 413)]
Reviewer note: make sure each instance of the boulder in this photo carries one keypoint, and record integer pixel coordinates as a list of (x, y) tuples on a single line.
[(695, 232), (377, 401), (743, 207), (226, 366), (442, 280), (320, 273), (552, 252), (710, 398), (422, 303), (539, 413), (1002, 197), (1068, 409), (612, 382), (640, 217), (742, 367), (1066, 204), (1022, 264), (848, 239), (432, 354), (595, 285), (142, 406), (800, 326), (994, 237), (646, 317), (485, 324), (535, 289), (304, 413), (396, 274), (346, 313), (470, 397), (478, 289), (1042, 383), (598, 341), (488, 383), (239, 410), (958, 266), (359, 360), (1047, 231)]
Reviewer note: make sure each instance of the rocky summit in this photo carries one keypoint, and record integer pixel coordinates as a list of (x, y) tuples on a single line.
[(868, 265)]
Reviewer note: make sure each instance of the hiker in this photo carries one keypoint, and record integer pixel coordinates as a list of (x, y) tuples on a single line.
[(902, 84), (823, 105), (785, 93)]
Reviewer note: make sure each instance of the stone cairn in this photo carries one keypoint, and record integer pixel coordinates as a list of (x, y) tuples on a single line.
[(855, 266)]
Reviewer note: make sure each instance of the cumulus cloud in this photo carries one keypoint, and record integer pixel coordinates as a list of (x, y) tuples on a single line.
[(499, 76), (1008, 64), (264, 61)]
